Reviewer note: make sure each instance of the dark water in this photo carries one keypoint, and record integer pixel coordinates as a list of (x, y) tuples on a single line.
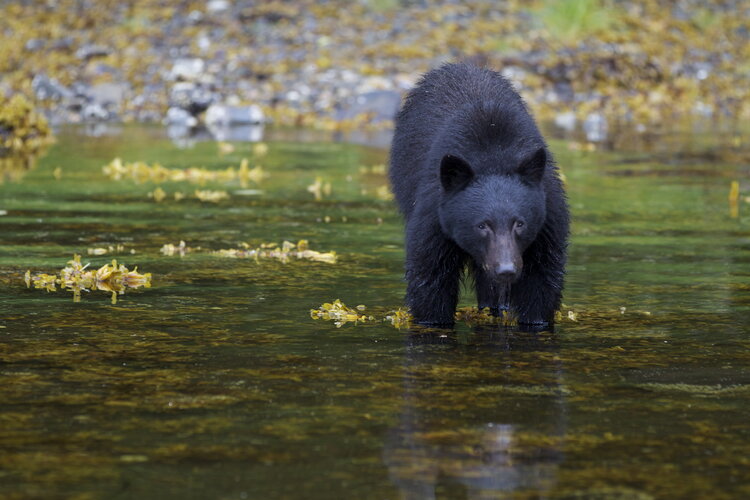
[(216, 383)]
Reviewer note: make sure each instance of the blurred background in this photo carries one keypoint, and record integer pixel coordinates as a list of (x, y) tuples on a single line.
[(592, 66), (235, 152)]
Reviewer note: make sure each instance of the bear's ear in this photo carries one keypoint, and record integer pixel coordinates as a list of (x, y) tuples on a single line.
[(455, 173), (532, 168)]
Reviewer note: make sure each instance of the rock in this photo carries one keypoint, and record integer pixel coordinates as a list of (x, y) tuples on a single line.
[(222, 115), (566, 121), (241, 133), (88, 52), (189, 69), (203, 42), (64, 43), (49, 88), (380, 105), (178, 117), (34, 45), (217, 6), (515, 74), (595, 127), (111, 94), (191, 96), (564, 91), (94, 112)]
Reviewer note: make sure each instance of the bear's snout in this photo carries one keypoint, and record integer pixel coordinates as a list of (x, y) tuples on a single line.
[(506, 270), (504, 260)]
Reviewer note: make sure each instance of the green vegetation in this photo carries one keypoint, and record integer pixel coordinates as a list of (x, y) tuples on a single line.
[(575, 21)]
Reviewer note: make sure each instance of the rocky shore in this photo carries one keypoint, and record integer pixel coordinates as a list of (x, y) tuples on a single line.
[(339, 65)]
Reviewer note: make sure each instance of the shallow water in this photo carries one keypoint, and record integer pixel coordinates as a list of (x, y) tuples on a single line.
[(216, 383)]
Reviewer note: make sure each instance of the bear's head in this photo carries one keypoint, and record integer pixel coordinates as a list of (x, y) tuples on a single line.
[(494, 217)]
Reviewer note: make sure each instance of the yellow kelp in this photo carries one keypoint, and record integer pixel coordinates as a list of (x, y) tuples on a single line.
[(75, 277), (340, 314), (141, 172), (285, 252)]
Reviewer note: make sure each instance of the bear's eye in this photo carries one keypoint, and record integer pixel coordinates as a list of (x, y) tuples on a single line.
[(481, 226), (519, 224)]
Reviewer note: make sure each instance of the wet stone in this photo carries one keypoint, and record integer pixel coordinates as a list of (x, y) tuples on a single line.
[(595, 127), (187, 69), (180, 117), (34, 45), (192, 97), (88, 52), (108, 93), (224, 115), (94, 112), (49, 88)]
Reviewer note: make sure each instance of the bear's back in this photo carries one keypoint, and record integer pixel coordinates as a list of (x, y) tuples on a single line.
[(433, 104)]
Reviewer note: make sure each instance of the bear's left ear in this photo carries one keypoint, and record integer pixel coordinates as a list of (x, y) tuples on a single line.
[(532, 167), (455, 173)]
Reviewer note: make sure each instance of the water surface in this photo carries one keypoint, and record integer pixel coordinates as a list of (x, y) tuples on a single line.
[(216, 383)]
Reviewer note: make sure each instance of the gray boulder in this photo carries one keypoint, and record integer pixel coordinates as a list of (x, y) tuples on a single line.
[(49, 88), (223, 115)]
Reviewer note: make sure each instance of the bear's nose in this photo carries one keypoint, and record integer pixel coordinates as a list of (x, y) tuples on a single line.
[(505, 270)]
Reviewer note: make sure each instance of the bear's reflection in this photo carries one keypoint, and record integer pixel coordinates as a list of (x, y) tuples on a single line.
[(482, 417)]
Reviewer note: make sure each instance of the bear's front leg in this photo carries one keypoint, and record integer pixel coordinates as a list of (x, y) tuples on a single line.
[(433, 270), (536, 296)]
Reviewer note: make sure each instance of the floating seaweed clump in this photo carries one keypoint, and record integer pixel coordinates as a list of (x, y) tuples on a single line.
[(180, 249), (22, 129), (474, 316), (74, 277), (402, 318), (340, 313), (209, 196), (118, 248), (285, 252), (142, 172)]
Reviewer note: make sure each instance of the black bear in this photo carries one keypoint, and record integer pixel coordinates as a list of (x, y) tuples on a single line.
[(479, 189)]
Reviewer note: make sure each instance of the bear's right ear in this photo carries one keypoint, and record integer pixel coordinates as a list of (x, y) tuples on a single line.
[(455, 173)]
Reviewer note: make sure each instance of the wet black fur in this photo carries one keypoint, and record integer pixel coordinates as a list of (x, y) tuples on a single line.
[(476, 115)]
